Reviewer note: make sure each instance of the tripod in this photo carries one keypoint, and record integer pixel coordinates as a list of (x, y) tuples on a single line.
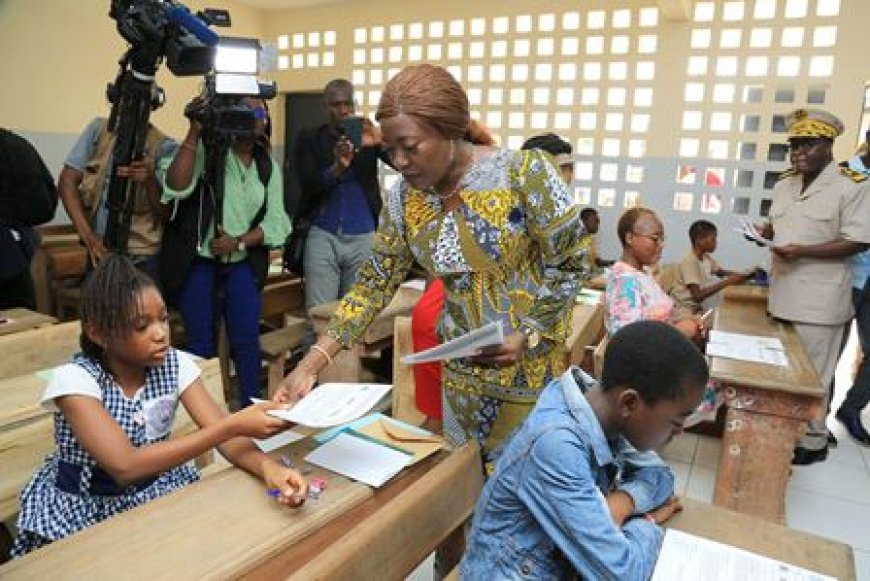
[(133, 95)]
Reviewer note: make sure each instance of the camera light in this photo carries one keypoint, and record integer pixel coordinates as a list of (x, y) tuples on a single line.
[(235, 84), (237, 55)]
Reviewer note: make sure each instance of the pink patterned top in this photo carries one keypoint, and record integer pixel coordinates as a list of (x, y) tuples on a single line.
[(633, 295)]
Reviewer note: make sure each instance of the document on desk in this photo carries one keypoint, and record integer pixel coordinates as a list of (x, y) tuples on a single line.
[(753, 348), (360, 459), (686, 557), (463, 346), (332, 404)]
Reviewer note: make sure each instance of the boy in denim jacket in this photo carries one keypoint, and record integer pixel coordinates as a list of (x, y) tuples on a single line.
[(576, 491)]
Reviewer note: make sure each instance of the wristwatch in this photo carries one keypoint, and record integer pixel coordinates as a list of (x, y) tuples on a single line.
[(533, 336), (240, 244)]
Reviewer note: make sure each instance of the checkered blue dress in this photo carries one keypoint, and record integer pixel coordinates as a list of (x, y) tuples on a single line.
[(71, 492)]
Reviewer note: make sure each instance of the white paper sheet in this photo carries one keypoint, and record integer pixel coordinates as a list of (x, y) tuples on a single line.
[(360, 459), (463, 346), (278, 440), (333, 404), (748, 229), (753, 348), (686, 557)]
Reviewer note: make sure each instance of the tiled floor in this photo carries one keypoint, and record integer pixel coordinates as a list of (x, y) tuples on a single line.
[(831, 499)]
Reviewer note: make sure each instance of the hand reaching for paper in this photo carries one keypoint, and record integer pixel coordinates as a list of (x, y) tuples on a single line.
[(504, 355)]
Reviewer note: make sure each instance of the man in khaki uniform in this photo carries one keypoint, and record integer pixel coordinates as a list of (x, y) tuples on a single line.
[(819, 218)]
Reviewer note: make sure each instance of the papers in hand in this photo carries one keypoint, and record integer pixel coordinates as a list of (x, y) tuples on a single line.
[(748, 229), (768, 350), (332, 404), (359, 459), (689, 557), (463, 346)]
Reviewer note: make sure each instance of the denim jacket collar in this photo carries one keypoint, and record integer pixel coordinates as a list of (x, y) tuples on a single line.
[(574, 387)]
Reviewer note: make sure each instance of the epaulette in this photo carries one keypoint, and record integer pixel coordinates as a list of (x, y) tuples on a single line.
[(787, 174), (853, 175)]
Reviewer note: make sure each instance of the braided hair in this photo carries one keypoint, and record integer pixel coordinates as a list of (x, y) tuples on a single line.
[(433, 96), (110, 302)]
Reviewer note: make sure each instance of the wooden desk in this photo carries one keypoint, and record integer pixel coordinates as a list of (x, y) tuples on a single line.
[(764, 538), (23, 319), (225, 526), (746, 292), (346, 365), (768, 408)]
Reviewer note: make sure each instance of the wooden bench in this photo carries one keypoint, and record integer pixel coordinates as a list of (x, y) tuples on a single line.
[(277, 344), (58, 265), (226, 527), (27, 430), (346, 365), (36, 349)]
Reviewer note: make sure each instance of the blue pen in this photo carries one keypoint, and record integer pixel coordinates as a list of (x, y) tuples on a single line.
[(273, 492)]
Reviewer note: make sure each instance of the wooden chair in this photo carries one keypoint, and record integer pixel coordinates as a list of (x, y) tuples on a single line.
[(57, 267)]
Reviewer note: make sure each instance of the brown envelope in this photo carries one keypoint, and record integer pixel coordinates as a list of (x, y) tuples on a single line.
[(418, 445)]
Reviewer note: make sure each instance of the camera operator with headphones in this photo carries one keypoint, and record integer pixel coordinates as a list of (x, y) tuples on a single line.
[(230, 236)]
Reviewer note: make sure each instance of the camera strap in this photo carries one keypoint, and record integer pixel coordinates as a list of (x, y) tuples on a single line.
[(264, 172)]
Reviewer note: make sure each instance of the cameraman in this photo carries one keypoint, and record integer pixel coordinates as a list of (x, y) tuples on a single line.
[(221, 281), (84, 182)]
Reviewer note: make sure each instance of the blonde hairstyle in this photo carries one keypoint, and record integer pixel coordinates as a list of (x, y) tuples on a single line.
[(628, 220), (433, 96)]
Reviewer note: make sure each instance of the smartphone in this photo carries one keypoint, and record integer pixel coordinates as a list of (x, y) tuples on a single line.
[(351, 127)]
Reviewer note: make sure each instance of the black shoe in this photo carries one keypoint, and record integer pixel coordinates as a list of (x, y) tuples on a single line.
[(805, 457), (832, 440), (852, 422)]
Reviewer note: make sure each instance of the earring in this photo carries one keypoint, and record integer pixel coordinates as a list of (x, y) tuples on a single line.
[(452, 152)]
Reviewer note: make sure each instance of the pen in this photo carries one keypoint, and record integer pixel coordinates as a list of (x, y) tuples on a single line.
[(273, 492)]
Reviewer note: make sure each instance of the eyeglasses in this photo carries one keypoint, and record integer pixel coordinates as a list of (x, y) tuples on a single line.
[(656, 238)]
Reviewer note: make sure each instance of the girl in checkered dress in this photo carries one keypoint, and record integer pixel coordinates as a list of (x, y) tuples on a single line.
[(114, 407)]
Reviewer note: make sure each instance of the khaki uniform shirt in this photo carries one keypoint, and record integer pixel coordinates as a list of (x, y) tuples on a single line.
[(834, 207), (691, 270)]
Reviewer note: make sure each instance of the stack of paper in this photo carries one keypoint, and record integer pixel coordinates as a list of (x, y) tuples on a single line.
[(748, 229), (588, 296), (466, 345), (686, 557), (753, 348), (360, 459)]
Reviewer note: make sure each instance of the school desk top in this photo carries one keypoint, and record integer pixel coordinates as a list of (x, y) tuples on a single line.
[(750, 317), (746, 292), (765, 538), (14, 320), (225, 526)]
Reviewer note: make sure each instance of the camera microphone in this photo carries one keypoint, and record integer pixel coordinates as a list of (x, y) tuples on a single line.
[(182, 17)]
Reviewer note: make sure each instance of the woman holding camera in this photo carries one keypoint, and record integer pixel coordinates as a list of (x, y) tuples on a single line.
[(224, 280)]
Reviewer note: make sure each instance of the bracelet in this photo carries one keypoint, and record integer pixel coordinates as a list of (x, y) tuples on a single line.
[(308, 369), (186, 145), (320, 349)]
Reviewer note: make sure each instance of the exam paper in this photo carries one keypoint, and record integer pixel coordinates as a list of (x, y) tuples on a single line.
[(359, 459), (463, 346), (332, 404), (748, 229), (278, 440), (753, 348), (686, 557)]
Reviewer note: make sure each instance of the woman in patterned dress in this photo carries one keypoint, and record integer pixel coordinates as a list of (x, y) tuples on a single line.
[(114, 408), (501, 230)]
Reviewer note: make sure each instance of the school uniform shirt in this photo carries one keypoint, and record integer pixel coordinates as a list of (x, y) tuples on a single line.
[(835, 206), (71, 491), (694, 270), (543, 513)]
